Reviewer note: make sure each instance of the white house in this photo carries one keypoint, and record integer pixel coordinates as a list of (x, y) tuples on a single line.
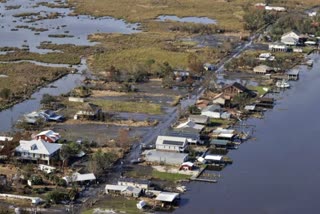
[(170, 143), (291, 38), (278, 47), (212, 111), (37, 150)]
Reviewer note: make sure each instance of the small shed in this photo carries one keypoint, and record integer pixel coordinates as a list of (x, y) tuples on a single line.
[(187, 166), (262, 69), (212, 111), (168, 198), (199, 119), (293, 74)]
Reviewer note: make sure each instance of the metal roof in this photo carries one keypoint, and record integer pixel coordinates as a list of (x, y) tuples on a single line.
[(166, 157), (170, 140), (167, 196), (213, 157), (219, 142), (115, 187), (75, 177), (182, 134), (199, 119), (293, 72), (38, 147), (190, 124)]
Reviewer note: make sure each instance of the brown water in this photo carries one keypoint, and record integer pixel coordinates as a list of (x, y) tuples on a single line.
[(278, 172)]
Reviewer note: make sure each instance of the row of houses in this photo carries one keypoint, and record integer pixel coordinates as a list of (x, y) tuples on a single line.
[(290, 41)]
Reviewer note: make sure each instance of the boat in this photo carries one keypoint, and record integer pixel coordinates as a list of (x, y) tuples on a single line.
[(282, 84), (310, 62)]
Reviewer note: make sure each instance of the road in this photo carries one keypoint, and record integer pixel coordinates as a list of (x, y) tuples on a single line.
[(173, 114)]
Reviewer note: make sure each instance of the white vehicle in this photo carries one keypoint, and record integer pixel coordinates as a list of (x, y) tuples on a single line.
[(282, 84)]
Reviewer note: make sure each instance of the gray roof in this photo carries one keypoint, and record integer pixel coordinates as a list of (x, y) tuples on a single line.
[(133, 180), (166, 157), (293, 72), (212, 108), (201, 119), (183, 134)]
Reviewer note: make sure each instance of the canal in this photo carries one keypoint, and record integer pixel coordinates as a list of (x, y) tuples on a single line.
[(278, 172)]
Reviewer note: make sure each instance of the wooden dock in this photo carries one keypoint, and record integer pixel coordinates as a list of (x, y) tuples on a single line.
[(196, 177)]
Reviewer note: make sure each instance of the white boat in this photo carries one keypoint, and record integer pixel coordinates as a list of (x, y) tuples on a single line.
[(282, 84), (310, 62)]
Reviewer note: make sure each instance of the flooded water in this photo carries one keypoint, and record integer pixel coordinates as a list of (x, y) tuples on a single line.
[(279, 171), (197, 20), (46, 21), (9, 117)]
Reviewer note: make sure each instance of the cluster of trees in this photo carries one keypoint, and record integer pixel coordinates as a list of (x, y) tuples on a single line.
[(5, 93), (255, 18), (100, 162), (299, 22)]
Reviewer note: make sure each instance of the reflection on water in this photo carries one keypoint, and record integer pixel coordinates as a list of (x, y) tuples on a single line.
[(279, 171)]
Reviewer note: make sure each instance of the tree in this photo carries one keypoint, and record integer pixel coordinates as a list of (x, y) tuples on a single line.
[(5, 93), (254, 19), (99, 162), (69, 150), (47, 99), (194, 64), (241, 100), (165, 70)]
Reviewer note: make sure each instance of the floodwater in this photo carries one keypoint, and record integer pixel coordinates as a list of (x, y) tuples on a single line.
[(77, 27), (197, 20), (63, 85), (278, 172)]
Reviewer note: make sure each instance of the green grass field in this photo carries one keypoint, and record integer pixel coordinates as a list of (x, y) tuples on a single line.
[(134, 107)]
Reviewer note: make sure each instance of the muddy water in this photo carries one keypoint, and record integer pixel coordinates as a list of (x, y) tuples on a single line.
[(278, 172), (79, 27)]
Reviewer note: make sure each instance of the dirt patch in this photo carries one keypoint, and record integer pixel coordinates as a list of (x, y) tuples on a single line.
[(8, 170)]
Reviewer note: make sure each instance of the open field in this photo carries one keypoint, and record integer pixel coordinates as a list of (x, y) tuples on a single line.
[(136, 107)]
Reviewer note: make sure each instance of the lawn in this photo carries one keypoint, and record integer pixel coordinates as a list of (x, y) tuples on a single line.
[(133, 107), (118, 204), (173, 177), (258, 89)]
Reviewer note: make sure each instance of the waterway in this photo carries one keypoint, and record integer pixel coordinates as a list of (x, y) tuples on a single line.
[(278, 172)]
